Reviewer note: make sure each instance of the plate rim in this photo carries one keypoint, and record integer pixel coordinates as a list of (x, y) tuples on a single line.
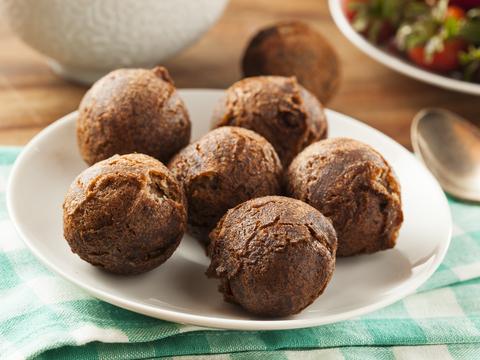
[(393, 62), (208, 321)]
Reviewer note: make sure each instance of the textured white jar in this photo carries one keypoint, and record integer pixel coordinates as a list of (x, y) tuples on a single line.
[(85, 39)]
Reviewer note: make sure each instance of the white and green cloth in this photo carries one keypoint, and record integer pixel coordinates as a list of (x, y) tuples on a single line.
[(43, 316)]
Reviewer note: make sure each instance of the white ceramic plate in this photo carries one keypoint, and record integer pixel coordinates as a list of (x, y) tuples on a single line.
[(178, 290), (394, 62)]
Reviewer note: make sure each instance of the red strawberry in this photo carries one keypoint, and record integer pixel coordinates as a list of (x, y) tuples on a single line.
[(445, 60)]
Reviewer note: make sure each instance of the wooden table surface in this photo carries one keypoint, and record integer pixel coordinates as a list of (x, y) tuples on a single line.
[(31, 96)]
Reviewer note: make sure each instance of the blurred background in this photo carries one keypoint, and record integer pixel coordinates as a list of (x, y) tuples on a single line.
[(32, 96)]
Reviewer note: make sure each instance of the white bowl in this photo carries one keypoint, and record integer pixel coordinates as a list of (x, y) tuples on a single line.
[(394, 62), (85, 39)]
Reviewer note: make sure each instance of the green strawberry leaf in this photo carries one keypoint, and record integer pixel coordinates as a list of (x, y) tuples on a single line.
[(470, 31), (470, 61)]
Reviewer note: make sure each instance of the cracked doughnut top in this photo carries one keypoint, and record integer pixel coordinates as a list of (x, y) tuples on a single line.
[(273, 255), (224, 168), (126, 214), (355, 187), (132, 110), (276, 107)]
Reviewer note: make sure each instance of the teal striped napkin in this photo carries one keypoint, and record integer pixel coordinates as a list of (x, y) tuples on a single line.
[(43, 316)]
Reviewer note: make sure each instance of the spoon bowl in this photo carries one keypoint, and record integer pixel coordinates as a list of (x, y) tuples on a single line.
[(450, 148)]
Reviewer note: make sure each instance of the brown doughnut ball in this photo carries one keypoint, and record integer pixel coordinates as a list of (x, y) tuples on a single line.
[(226, 167), (294, 48), (273, 255), (126, 214), (132, 110), (276, 107), (355, 187)]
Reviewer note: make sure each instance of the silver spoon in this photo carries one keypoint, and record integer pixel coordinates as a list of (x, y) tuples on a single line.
[(450, 147)]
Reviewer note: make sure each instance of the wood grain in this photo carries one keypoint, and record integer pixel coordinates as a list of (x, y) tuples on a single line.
[(31, 96)]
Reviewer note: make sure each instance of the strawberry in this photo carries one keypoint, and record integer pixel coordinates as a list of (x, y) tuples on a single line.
[(455, 12), (445, 60), (349, 7)]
